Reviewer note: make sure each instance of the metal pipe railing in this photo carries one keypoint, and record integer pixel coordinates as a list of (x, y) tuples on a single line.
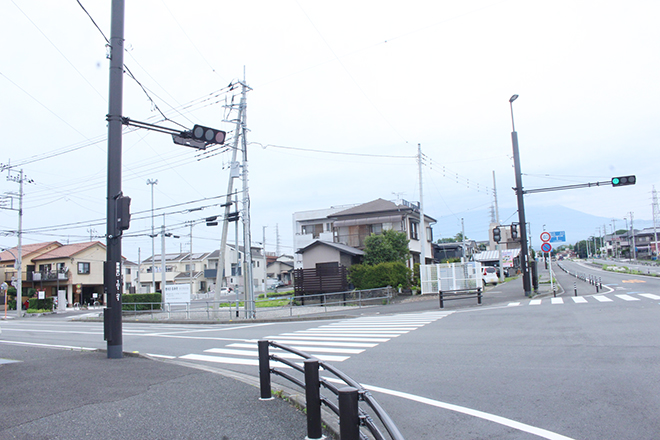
[(351, 416)]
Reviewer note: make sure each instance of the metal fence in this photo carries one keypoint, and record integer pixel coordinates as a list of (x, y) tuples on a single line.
[(345, 404), (290, 306), (450, 277)]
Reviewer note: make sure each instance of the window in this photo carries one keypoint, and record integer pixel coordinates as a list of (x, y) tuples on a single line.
[(315, 230), (128, 271), (83, 268), (202, 286), (413, 230), (188, 267)]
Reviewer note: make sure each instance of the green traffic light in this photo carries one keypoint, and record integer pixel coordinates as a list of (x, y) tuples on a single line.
[(615, 181)]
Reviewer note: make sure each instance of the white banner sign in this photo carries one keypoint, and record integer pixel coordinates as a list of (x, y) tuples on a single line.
[(177, 293)]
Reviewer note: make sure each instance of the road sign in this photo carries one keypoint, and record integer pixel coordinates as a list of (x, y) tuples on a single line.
[(545, 236), (557, 236), (546, 247)]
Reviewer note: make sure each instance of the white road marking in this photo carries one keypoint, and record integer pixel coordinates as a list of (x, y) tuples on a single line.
[(556, 300), (323, 338), (307, 349), (160, 356), (627, 297), (602, 298), (279, 353), (35, 344), (535, 302), (578, 299), (544, 433), (650, 296), (513, 304)]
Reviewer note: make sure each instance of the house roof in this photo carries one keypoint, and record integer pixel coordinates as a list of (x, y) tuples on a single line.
[(493, 255), (26, 250), (376, 207), (67, 251), (340, 247)]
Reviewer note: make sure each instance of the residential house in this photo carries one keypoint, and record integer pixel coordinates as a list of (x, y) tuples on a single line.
[(352, 225), (281, 269), (200, 269), (50, 267)]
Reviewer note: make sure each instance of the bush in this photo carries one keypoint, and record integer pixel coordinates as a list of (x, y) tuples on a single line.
[(41, 304), (128, 301), (381, 275)]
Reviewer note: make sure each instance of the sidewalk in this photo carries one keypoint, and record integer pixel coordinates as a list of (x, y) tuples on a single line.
[(70, 394)]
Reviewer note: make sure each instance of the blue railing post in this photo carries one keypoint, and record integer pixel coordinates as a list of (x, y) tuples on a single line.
[(313, 399), (349, 420), (264, 370)]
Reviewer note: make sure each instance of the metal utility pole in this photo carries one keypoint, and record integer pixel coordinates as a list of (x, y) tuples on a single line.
[(230, 189), (153, 237), (524, 253), (422, 222), (113, 274)]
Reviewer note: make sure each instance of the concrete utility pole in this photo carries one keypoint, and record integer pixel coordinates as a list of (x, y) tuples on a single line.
[(153, 237), (655, 230), (497, 219), (247, 237), (632, 232), (113, 274), (422, 223)]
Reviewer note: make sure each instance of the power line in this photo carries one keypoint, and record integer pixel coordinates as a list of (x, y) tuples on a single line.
[(341, 153)]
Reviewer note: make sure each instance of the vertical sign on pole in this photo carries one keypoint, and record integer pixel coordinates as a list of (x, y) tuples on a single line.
[(547, 247)]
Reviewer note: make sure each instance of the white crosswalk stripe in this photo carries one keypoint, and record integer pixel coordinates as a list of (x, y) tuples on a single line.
[(593, 299), (333, 342)]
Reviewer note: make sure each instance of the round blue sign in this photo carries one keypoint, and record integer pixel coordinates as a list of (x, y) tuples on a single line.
[(546, 247)]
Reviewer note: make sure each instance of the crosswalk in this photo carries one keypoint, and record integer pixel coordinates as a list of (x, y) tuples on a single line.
[(333, 342), (593, 299)]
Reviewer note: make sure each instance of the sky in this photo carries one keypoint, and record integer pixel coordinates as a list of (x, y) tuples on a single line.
[(342, 93)]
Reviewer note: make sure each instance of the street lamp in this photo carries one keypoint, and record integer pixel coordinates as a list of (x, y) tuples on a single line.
[(524, 253)]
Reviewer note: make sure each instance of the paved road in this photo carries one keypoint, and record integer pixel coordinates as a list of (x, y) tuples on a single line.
[(516, 368)]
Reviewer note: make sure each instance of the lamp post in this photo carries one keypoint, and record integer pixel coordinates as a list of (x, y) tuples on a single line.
[(524, 253)]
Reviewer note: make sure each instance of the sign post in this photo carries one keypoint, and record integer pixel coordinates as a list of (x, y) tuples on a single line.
[(546, 237)]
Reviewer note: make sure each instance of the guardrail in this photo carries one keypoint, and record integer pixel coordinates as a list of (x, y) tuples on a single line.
[(351, 416)]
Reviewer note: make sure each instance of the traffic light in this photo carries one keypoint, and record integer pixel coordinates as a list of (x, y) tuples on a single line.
[(497, 235), (211, 221), (623, 180), (208, 135), (123, 204), (232, 217), (514, 231)]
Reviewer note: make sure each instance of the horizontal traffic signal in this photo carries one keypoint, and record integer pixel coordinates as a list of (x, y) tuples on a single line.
[(208, 135), (623, 180)]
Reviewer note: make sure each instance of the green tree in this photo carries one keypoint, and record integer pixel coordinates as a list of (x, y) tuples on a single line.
[(380, 275), (390, 246)]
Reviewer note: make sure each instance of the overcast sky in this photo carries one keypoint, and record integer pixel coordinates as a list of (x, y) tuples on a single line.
[(329, 80)]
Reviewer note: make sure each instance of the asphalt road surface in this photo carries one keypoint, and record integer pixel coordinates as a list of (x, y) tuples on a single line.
[(582, 367)]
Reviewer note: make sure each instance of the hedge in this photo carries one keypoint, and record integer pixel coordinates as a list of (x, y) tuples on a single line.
[(128, 301), (381, 275)]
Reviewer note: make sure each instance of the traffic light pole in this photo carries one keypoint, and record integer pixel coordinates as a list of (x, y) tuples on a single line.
[(524, 253), (113, 273)]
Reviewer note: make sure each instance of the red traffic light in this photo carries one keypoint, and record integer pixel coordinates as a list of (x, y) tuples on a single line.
[(208, 135)]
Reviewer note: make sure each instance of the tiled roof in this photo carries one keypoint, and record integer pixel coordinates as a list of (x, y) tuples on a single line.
[(26, 250), (67, 251)]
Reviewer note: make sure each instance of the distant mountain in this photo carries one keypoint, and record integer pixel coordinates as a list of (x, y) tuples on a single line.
[(577, 225)]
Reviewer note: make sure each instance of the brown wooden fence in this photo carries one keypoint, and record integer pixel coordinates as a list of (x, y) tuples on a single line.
[(325, 278)]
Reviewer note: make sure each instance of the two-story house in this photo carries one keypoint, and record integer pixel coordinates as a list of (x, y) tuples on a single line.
[(349, 226), (76, 269)]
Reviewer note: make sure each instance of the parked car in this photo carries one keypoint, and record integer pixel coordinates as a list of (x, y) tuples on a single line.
[(489, 275)]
